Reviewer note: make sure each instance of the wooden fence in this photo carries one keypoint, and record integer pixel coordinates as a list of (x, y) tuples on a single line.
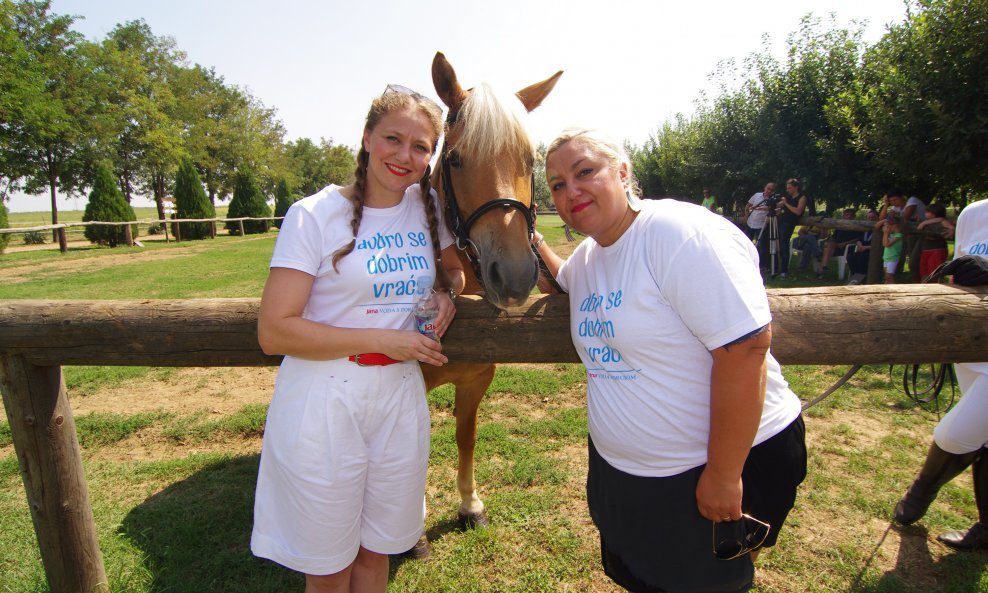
[(62, 226), (832, 325)]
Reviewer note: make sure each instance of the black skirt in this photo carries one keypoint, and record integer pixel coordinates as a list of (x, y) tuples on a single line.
[(653, 538)]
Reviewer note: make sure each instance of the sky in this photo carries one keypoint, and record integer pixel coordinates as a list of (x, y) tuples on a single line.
[(629, 65)]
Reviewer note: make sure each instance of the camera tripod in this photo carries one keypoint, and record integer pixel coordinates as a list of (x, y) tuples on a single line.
[(772, 224)]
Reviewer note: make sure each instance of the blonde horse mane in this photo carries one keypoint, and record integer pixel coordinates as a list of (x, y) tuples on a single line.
[(493, 126)]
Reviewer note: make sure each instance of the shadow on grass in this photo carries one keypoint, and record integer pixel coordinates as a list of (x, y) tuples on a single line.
[(195, 534), (916, 570)]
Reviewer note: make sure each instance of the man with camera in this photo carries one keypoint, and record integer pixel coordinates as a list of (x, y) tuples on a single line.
[(756, 212)]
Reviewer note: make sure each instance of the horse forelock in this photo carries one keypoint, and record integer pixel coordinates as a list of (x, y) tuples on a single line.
[(492, 126)]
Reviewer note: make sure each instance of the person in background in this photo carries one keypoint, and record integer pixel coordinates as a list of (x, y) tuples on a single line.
[(913, 213), (807, 242), (791, 209), (756, 211), (892, 242), (961, 438), (857, 260), (709, 201), (343, 465), (695, 437), (893, 202), (933, 250), (839, 240)]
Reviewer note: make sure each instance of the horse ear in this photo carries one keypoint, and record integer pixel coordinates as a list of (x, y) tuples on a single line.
[(444, 79), (532, 96)]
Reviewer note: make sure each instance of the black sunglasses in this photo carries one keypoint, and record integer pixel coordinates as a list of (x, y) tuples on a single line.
[(732, 539), (404, 90)]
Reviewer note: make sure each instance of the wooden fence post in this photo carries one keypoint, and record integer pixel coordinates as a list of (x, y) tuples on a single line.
[(51, 466)]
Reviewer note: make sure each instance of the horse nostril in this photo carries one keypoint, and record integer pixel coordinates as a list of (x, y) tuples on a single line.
[(494, 275)]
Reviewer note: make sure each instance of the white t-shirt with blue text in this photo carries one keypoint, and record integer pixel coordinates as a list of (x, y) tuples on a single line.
[(645, 313), (376, 283)]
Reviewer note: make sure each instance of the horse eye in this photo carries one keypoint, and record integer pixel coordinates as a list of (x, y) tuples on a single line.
[(454, 159)]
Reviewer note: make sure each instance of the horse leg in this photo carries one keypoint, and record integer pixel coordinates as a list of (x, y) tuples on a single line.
[(468, 396)]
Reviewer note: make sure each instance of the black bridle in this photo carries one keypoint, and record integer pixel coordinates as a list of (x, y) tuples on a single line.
[(461, 228)]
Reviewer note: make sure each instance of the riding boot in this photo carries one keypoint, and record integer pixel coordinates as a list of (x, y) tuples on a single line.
[(977, 535), (939, 468)]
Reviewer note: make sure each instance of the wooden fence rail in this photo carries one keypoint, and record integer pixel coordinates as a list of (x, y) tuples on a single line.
[(833, 325), (66, 225)]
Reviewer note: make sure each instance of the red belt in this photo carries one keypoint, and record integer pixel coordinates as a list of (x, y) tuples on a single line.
[(372, 359)]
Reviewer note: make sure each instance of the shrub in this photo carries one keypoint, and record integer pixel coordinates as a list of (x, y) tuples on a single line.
[(191, 202), (34, 238), (107, 204), (4, 223), (248, 201), (282, 200), (156, 229)]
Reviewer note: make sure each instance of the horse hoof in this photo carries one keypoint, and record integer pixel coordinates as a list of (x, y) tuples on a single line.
[(421, 550), (472, 520)]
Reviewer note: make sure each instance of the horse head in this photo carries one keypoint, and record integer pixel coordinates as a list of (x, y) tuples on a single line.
[(485, 182)]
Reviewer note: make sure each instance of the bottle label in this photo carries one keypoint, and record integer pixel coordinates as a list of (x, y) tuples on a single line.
[(426, 325)]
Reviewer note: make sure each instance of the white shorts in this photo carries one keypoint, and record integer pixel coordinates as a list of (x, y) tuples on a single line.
[(890, 266), (964, 428), (343, 464)]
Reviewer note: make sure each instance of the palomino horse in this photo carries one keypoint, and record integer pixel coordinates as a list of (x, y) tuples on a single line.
[(484, 180)]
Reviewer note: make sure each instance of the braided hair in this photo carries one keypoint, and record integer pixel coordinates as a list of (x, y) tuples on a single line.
[(388, 102)]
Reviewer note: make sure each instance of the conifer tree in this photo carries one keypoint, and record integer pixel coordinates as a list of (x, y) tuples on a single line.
[(191, 202), (282, 200), (107, 204), (248, 201)]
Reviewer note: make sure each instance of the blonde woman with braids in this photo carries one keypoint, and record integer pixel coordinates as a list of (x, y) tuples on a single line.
[(346, 444)]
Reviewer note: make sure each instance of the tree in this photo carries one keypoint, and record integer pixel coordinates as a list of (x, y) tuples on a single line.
[(107, 204), (542, 197), (147, 133), (226, 129), (314, 167), (191, 202), (55, 124), (248, 202), (920, 112), (282, 200), (4, 223)]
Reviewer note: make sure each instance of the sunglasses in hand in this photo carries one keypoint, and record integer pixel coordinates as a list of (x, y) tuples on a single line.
[(732, 539)]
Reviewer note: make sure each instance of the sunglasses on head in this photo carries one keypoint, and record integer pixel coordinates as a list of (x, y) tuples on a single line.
[(732, 539), (404, 90)]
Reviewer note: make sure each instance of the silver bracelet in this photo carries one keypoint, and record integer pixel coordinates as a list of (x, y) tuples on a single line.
[(539, 242)]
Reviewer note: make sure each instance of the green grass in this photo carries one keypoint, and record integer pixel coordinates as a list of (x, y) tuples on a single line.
[(221, 267)]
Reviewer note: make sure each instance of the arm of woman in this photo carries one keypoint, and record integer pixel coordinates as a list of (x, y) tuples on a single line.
[(737, 394), (457, 280), (552, 261), (281, 329)]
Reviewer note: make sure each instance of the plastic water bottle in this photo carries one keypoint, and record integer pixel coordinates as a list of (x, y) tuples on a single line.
[(426, 311)]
